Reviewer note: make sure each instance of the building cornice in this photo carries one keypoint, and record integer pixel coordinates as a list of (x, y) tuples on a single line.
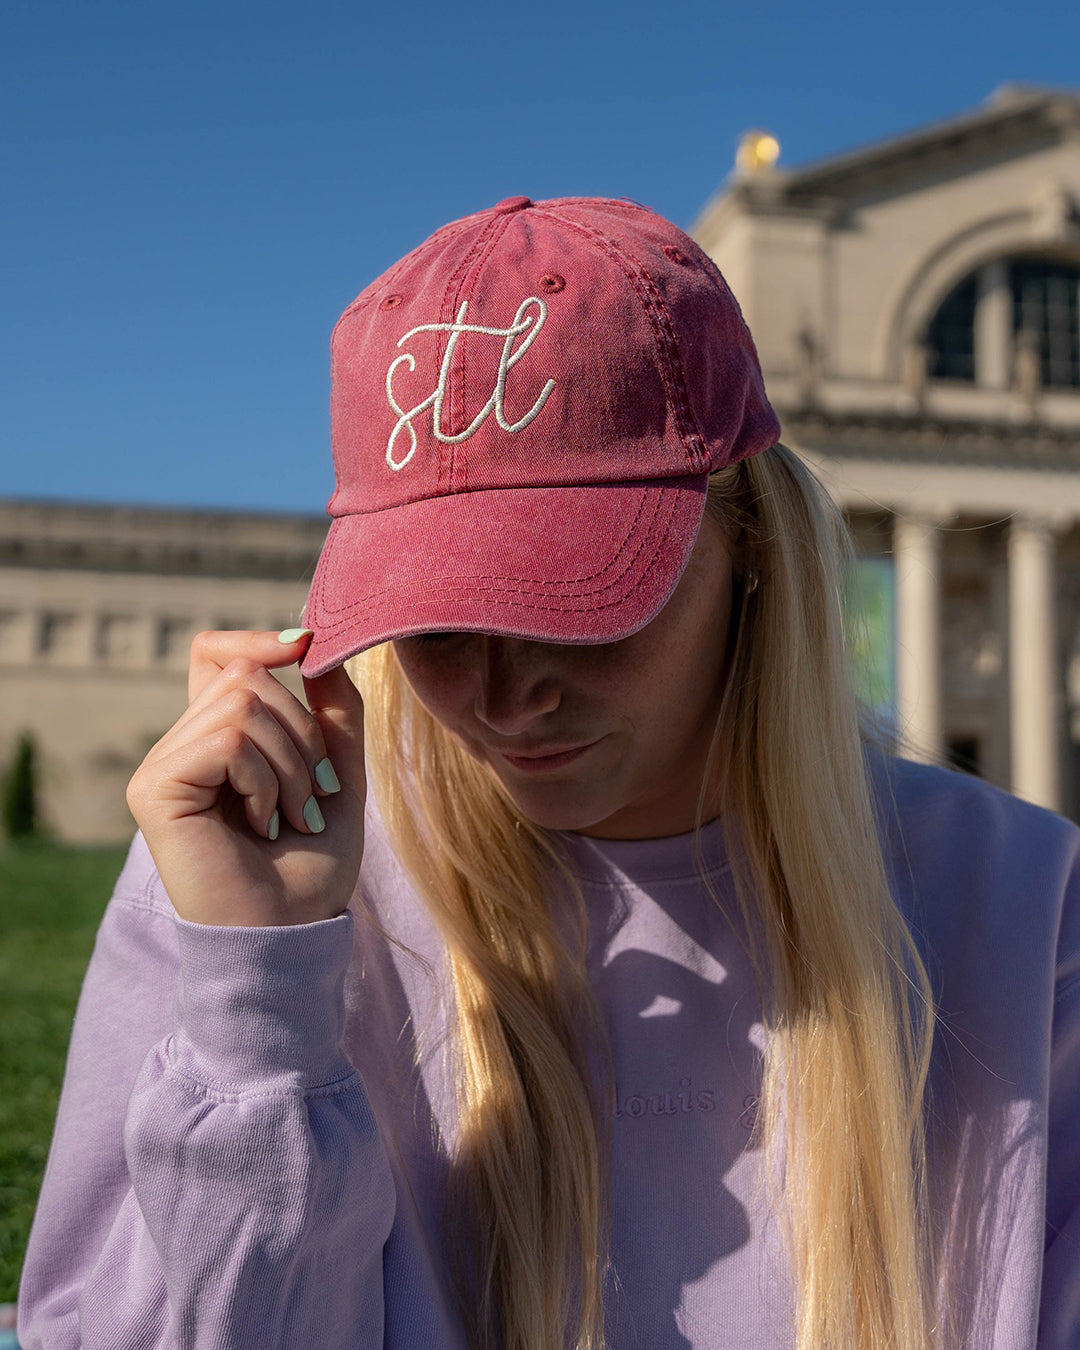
[(137, 539), (927, 438)]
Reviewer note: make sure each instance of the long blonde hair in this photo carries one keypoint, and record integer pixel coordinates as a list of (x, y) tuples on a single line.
[(846, 999)]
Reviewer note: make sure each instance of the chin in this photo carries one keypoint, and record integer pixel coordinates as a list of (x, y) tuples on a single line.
[(557, 813)]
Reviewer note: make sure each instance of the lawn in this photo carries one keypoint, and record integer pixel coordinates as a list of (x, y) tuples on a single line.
[(51, 899)]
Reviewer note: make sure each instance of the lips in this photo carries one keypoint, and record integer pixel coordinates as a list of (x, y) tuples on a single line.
[(545, 757)]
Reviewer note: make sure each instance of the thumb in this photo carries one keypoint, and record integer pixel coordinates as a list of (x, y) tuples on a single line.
[(336, 705)]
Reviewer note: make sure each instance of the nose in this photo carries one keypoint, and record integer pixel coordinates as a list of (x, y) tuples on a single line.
[(517, 684)]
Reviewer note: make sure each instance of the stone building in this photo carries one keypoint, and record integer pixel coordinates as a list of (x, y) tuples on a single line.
[(98, 605), (915, 305)]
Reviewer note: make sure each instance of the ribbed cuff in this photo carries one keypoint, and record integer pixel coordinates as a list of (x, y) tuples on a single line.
[(262, 1006)]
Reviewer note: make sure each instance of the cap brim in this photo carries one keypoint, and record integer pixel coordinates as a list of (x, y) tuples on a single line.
[(551, 564)]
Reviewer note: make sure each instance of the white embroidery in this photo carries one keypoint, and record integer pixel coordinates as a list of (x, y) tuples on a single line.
[(523, 323)]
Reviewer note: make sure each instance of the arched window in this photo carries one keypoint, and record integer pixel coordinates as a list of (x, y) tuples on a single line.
[(1046, 303), (952, 335), (1033, 301)]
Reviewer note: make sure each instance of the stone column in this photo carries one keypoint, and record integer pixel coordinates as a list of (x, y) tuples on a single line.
[(1034, 693), (917, 557), (18, 632), (993, 326)]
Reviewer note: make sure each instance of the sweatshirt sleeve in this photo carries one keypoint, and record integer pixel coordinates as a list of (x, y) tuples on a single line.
[(216, 1178)]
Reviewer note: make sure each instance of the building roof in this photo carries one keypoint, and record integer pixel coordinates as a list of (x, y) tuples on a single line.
[(1014, 120)]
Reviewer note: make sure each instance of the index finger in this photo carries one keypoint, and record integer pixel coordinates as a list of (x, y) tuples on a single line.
[(213, 650)]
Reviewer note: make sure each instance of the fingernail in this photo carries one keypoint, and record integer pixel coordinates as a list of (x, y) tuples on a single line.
[(272, 827), (290, 635), (313, 816), (325, 776)]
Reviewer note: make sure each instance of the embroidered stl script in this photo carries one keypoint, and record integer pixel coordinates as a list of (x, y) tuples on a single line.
[(524, 322)]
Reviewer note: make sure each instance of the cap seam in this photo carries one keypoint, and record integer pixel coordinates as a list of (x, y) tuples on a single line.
[(663, 335), (506, 597), (458, 470), (366, 296), (451, 296)]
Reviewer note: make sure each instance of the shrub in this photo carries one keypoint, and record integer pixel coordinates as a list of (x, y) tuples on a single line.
[(18, 804)]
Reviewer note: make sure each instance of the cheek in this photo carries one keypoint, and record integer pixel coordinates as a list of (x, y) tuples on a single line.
[(441, 684), (686, 662)]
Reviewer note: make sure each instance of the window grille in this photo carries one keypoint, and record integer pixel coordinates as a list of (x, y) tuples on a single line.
[(951, 338), (1046, 301), (1045, 310)]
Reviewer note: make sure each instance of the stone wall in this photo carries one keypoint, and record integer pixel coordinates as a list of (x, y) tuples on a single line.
[(98, 606)]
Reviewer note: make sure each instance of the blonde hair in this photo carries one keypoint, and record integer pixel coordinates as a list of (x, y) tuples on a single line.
[(846, 999)]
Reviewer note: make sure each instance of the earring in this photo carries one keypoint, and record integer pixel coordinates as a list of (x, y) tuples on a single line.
[(752, 577)]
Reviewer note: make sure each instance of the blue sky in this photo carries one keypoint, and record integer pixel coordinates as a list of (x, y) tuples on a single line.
[(191, 192)]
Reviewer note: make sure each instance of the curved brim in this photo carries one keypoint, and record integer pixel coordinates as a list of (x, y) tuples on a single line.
[(551, 564)]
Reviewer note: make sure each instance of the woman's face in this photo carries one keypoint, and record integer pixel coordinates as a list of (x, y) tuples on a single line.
[(607, 739)]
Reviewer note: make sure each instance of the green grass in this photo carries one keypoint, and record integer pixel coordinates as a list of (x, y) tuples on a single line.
[(51, 899)]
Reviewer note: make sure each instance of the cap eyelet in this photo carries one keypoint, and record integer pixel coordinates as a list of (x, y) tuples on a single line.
[(390, 301), (552, 283), (676, 255)]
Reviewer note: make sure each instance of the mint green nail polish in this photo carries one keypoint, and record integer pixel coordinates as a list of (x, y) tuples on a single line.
[(273, 827), (290, 635), (313, 816), (325, 776)]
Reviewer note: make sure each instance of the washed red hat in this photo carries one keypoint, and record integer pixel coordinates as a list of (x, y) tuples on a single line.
[(525, 412)]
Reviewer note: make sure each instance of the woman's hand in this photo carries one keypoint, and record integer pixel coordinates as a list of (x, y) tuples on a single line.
[(242, 817)]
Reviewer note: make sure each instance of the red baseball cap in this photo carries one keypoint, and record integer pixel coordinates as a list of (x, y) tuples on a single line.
[(525, 411)]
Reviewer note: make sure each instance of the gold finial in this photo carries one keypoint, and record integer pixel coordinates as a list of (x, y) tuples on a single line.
[(757, 153)]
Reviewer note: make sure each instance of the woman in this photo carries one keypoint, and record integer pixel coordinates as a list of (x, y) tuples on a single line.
[(678, 1014)]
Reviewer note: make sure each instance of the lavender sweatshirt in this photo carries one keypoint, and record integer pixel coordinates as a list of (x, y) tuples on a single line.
[(250, 1148)]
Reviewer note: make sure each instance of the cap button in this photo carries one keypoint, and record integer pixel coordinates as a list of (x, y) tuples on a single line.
[(509, 204)]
